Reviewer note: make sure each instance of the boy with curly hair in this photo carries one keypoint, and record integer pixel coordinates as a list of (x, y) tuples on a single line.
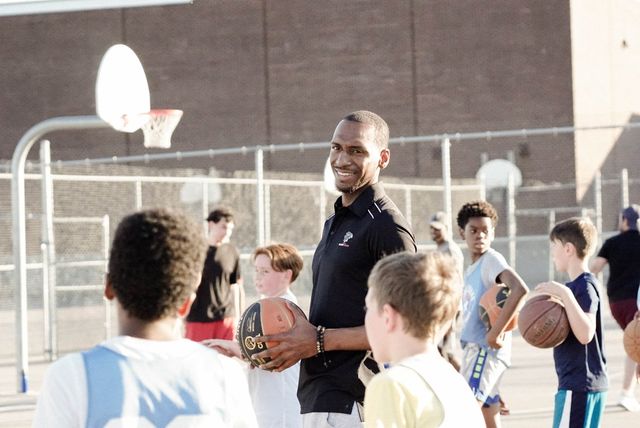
[(486, 354), (148, 375), (411, 302)]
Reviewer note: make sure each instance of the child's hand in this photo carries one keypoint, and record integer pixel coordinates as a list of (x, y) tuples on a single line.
[(230, 348), (495, 339), (553, 288)]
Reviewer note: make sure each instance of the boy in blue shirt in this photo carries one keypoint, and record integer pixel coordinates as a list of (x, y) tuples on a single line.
[(486, 354), (579, 360)]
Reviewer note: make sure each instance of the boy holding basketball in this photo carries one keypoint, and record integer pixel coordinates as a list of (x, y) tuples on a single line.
[(411, 302), (486, 354), (273, 394), (579, 360)]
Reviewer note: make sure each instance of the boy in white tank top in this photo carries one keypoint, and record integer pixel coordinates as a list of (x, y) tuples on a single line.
[(411, 302)]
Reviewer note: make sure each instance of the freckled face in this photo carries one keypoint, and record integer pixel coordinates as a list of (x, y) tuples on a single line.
[(375, 326), (559, 255), (269, 282)]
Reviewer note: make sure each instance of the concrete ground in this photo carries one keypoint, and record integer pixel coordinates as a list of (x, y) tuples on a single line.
[(528, 387)]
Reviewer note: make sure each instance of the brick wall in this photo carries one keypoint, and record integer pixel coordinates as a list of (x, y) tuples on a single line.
[(262, 72)]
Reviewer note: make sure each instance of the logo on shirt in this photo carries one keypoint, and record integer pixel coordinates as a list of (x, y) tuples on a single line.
[(345, 239)]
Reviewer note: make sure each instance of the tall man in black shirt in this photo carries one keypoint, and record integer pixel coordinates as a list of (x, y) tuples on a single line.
[(365, 227), (622, 253)]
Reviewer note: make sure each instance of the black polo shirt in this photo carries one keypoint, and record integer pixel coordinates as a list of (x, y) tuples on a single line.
[(353, 240), (623, 255)]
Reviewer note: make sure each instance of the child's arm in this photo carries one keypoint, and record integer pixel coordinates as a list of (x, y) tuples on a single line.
[(230, 348), (518, 289), (582, 324)]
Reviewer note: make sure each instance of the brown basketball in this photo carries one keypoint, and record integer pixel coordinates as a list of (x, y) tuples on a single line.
[(543, 322), (491, 304), (267, 316), (631, 340)]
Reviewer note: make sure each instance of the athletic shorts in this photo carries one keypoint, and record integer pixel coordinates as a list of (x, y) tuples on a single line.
[(334, 420), (577, 409), (199, 331), (623, 311), (483, 372)]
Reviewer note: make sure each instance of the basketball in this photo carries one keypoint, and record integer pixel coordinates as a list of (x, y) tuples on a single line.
[(491, 304), (270, 315), (631, 340), (543, 322)]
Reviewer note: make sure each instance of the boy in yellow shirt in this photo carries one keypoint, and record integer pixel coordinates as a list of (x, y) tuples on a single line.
[(411, 302)]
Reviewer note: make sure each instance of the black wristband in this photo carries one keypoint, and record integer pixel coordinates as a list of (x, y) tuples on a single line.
[(320, 343)]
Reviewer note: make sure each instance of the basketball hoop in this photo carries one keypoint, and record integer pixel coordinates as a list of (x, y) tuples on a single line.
[(159, 126)]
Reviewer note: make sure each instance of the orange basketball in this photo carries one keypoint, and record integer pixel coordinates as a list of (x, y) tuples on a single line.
[(270, 315), (631, 340), (543, 322), (491, 304)]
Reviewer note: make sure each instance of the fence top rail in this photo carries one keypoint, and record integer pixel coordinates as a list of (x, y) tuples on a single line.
[(545, 211), (302, 146), (221, 180)]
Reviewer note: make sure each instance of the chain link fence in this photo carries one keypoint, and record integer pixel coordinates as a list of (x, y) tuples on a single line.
[(66, 311)]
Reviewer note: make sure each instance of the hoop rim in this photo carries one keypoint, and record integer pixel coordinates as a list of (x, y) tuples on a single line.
[(158, 112)]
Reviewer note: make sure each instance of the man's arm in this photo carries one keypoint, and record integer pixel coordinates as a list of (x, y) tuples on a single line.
[(518, 291), (597, 264)]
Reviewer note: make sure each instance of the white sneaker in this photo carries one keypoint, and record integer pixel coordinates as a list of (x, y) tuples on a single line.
[(629, 402)]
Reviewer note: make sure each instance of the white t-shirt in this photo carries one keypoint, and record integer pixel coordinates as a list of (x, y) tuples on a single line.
[(274, 394), (212, 384)]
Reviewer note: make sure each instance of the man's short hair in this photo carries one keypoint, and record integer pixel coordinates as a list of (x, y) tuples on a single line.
[(283, 257), (370, 118), (478, 208), (155, 263), (221, 213), (578, 231), (423, 288)]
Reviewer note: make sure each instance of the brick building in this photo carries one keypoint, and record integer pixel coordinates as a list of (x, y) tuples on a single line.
[(249, 72)]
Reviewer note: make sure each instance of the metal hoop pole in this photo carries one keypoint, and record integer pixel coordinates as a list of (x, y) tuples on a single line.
[(19, 234)]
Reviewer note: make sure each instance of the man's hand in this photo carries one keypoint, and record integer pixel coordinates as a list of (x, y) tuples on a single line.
[(293, 345)]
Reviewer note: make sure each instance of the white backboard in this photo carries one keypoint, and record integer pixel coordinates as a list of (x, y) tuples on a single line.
[(122, 91), (496, 173), (30, 7)]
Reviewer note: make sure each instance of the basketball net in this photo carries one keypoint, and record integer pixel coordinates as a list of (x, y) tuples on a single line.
[(159, 126)]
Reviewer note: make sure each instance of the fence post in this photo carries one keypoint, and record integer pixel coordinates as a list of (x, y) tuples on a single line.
[(552, 222), (511, 220), (446, 178), (267, 213), (259, 158), (106, 242), (48, 255), (408, 208), (323, 208), (597, 197), (205, 203), (138, 185), (624, 187)]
